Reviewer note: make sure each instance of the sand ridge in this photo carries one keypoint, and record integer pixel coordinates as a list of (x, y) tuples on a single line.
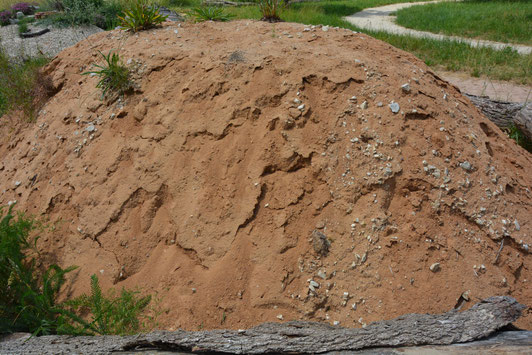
[(241, 141)]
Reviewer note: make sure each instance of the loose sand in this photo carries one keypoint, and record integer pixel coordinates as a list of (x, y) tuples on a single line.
[(244, 139)]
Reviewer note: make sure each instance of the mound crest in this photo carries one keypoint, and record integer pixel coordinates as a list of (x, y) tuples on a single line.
[(258, 172)]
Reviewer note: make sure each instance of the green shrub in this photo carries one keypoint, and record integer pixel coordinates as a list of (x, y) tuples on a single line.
[(113, 74), (56, 5), (103, 14), (28, 297), (141, 16), (107, 16), (270, 10), (209, 13), (79, 12), (28, 301)]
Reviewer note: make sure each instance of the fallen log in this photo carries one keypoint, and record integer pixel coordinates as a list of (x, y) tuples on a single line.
[(478, 322), (506, 114)]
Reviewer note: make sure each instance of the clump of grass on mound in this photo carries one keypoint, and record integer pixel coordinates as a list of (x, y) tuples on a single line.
[(28, 301), (22, 85), (114, 75), (496, 20), (209, 13), (141, 16), (271, 10)]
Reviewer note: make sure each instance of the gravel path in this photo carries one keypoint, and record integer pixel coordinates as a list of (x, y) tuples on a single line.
[(379, 19), (48, 44)]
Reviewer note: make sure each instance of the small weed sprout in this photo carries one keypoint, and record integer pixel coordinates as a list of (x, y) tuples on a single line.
[(141, 16), (270, 10), (209, 13), (113, 74)]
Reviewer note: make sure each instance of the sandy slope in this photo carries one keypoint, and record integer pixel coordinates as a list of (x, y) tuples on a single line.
[(241, 142)]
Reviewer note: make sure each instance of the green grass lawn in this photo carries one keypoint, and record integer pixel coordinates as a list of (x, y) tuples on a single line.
[(507, 21), (446, 55), (326, 12)]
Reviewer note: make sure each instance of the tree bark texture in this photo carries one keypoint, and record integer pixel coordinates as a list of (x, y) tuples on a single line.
[(504, 114), (478, 322)]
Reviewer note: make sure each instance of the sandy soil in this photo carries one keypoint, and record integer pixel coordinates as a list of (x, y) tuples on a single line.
[(257, 173), (494, 89)]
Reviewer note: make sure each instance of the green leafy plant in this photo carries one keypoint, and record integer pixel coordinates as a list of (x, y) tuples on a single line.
[(101, 13), (78, 12), (107, 16), (141, 16), (209, 13), (23, 28), (113, 74), (28, 297), (117, 313), (23, 25), (28, 301), (56, 5), (270, 10)]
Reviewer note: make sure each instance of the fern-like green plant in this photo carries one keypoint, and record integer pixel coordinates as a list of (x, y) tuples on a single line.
[(209, 13), (141, 16), (113, 74), (117, 313), (27, 297)]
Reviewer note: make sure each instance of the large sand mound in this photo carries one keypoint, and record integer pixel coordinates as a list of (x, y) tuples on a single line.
[(258, 172)]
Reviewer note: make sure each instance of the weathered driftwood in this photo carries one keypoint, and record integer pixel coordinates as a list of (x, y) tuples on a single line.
[(481, 320), (504, 114), (504, 342)]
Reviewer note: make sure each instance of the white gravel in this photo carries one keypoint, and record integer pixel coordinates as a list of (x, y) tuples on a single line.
[(48, 44), (379, 19)]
